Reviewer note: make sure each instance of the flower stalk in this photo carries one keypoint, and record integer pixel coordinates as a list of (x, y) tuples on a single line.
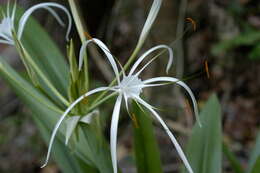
[(77, 16)]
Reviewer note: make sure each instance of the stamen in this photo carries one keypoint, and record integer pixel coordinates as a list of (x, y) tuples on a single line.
[(135, 122), (192, 22), (86, 33), (207, 68)]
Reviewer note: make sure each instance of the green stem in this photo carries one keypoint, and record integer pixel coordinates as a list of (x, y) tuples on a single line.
[(81, 27), (180, 31), (132, 58)]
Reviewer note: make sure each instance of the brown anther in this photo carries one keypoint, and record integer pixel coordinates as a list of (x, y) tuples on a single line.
[(88, 35), (207, 68), (133, 117), (194, 25)]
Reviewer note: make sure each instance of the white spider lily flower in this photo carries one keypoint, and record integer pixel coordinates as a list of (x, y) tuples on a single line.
[(129, 87), (7, 25)]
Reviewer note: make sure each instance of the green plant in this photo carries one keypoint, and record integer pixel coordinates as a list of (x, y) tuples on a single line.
[(56, 91)]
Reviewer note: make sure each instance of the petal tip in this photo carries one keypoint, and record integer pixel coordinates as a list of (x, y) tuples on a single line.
[(44, 165)]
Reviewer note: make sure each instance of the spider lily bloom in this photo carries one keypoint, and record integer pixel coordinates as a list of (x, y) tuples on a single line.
[(128, 87), (7, 25)]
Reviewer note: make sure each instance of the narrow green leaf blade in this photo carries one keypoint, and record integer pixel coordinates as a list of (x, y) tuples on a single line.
[(147, 153), (204, 149), (96, 148), (234, 163), (36, 100), (48, 113), (22, 86)]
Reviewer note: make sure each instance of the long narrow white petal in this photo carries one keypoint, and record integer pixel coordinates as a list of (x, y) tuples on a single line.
[(179, 82), (113, 132), (152, 85), (126, 103), (173, 139), (55, 15), (46, 6), (55, 130), (139, 60), (105, 49), (71, 125), (149, 22)]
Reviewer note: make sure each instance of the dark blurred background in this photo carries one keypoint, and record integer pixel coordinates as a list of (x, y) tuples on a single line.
[(227, 38)]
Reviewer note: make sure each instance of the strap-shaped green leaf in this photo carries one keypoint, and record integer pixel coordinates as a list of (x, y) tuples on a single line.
[(233, 161), (204, 150), (32, 97), (22, 86), (89, 148), (147, 155)]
